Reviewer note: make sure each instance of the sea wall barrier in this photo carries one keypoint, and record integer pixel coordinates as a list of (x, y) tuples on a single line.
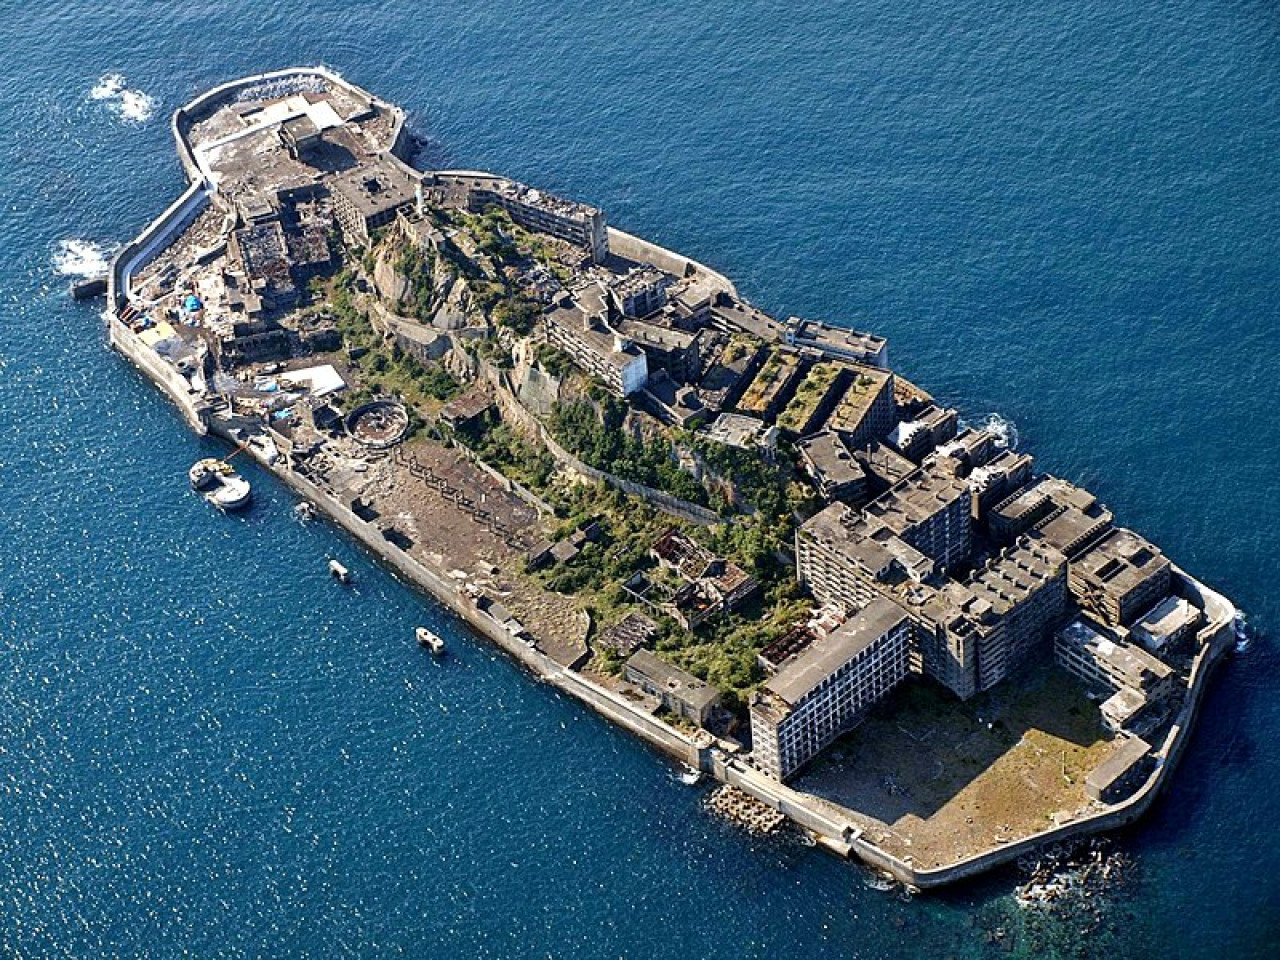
[(415, 572), (631, 247), (1216, 638), (163, 374), (157, 235)]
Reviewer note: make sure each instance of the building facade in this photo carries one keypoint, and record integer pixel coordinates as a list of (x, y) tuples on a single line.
[(1120, 578), (680, 692), (596, 347), (828, 688), (577, 223), (930, 510)]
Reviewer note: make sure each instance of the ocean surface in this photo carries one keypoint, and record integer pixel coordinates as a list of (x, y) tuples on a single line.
[(1064, 212)]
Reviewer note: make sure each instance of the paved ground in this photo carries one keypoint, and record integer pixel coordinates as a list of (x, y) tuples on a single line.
[(939, 780)]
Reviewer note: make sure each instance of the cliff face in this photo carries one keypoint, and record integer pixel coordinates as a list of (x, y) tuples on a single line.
[(419, 278)]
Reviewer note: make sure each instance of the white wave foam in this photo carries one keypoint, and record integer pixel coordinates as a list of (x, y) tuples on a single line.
[(1244, 632), (1004, 431), (82, 258), (136, 106), (131, 106), (108, 87)]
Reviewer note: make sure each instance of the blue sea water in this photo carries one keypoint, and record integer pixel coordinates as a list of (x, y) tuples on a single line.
[(1065, 212)]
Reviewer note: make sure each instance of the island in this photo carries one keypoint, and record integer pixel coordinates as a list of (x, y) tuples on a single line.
[(747, 540)]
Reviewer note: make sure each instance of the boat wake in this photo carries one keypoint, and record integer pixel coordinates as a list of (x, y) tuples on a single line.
[(131, 106), (82, 259)]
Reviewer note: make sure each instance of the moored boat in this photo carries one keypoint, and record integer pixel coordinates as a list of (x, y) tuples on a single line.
[(429, 640), (689, 776), (219, 483), (339, 572)]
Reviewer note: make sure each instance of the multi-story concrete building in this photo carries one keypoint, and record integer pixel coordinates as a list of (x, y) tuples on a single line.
[(370, 197), (680, 692), (929, 510), (965, 452), (845, 562), (867, 411), (1069, 517), (885, 467), (586, 335), (921, 435), (993, 482), (1120, 578), (1135, 678), (1166, 626), (972, 635), (583, 226), (828, 688), (1026, 588), (670, 349), (641, 291), (950, 624), (838, 342), (831, 466)]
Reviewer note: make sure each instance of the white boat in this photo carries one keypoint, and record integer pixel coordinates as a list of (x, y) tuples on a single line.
[(305, 510), (219, 483), (689, 776), (429, 641), (339, 572)]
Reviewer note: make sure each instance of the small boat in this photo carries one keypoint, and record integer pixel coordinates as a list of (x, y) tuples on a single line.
[(429, 641), (339, 572), (219, 483), (306, 510)]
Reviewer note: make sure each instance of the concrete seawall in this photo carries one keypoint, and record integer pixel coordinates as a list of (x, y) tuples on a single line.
[(1216, 638), (615, 707)]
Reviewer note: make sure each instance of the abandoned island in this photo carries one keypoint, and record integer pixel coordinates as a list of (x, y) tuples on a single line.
[(749, 541)]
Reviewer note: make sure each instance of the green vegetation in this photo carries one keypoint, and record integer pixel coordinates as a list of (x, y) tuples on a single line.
[(740, 345), (817, 383), (509, 453), (517, 312), (593, 431), (554, 361), (767, 382), (384, 368), (419, 269)]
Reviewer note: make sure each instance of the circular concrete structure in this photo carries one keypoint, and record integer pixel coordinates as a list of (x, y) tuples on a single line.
[(378, 424)]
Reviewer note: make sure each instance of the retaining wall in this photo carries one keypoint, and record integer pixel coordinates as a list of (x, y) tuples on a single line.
[(163, 374), (673, 506), (636, 248)]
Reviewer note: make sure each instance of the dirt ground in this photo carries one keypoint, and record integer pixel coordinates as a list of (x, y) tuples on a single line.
[(461, 521), (939, 780)]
